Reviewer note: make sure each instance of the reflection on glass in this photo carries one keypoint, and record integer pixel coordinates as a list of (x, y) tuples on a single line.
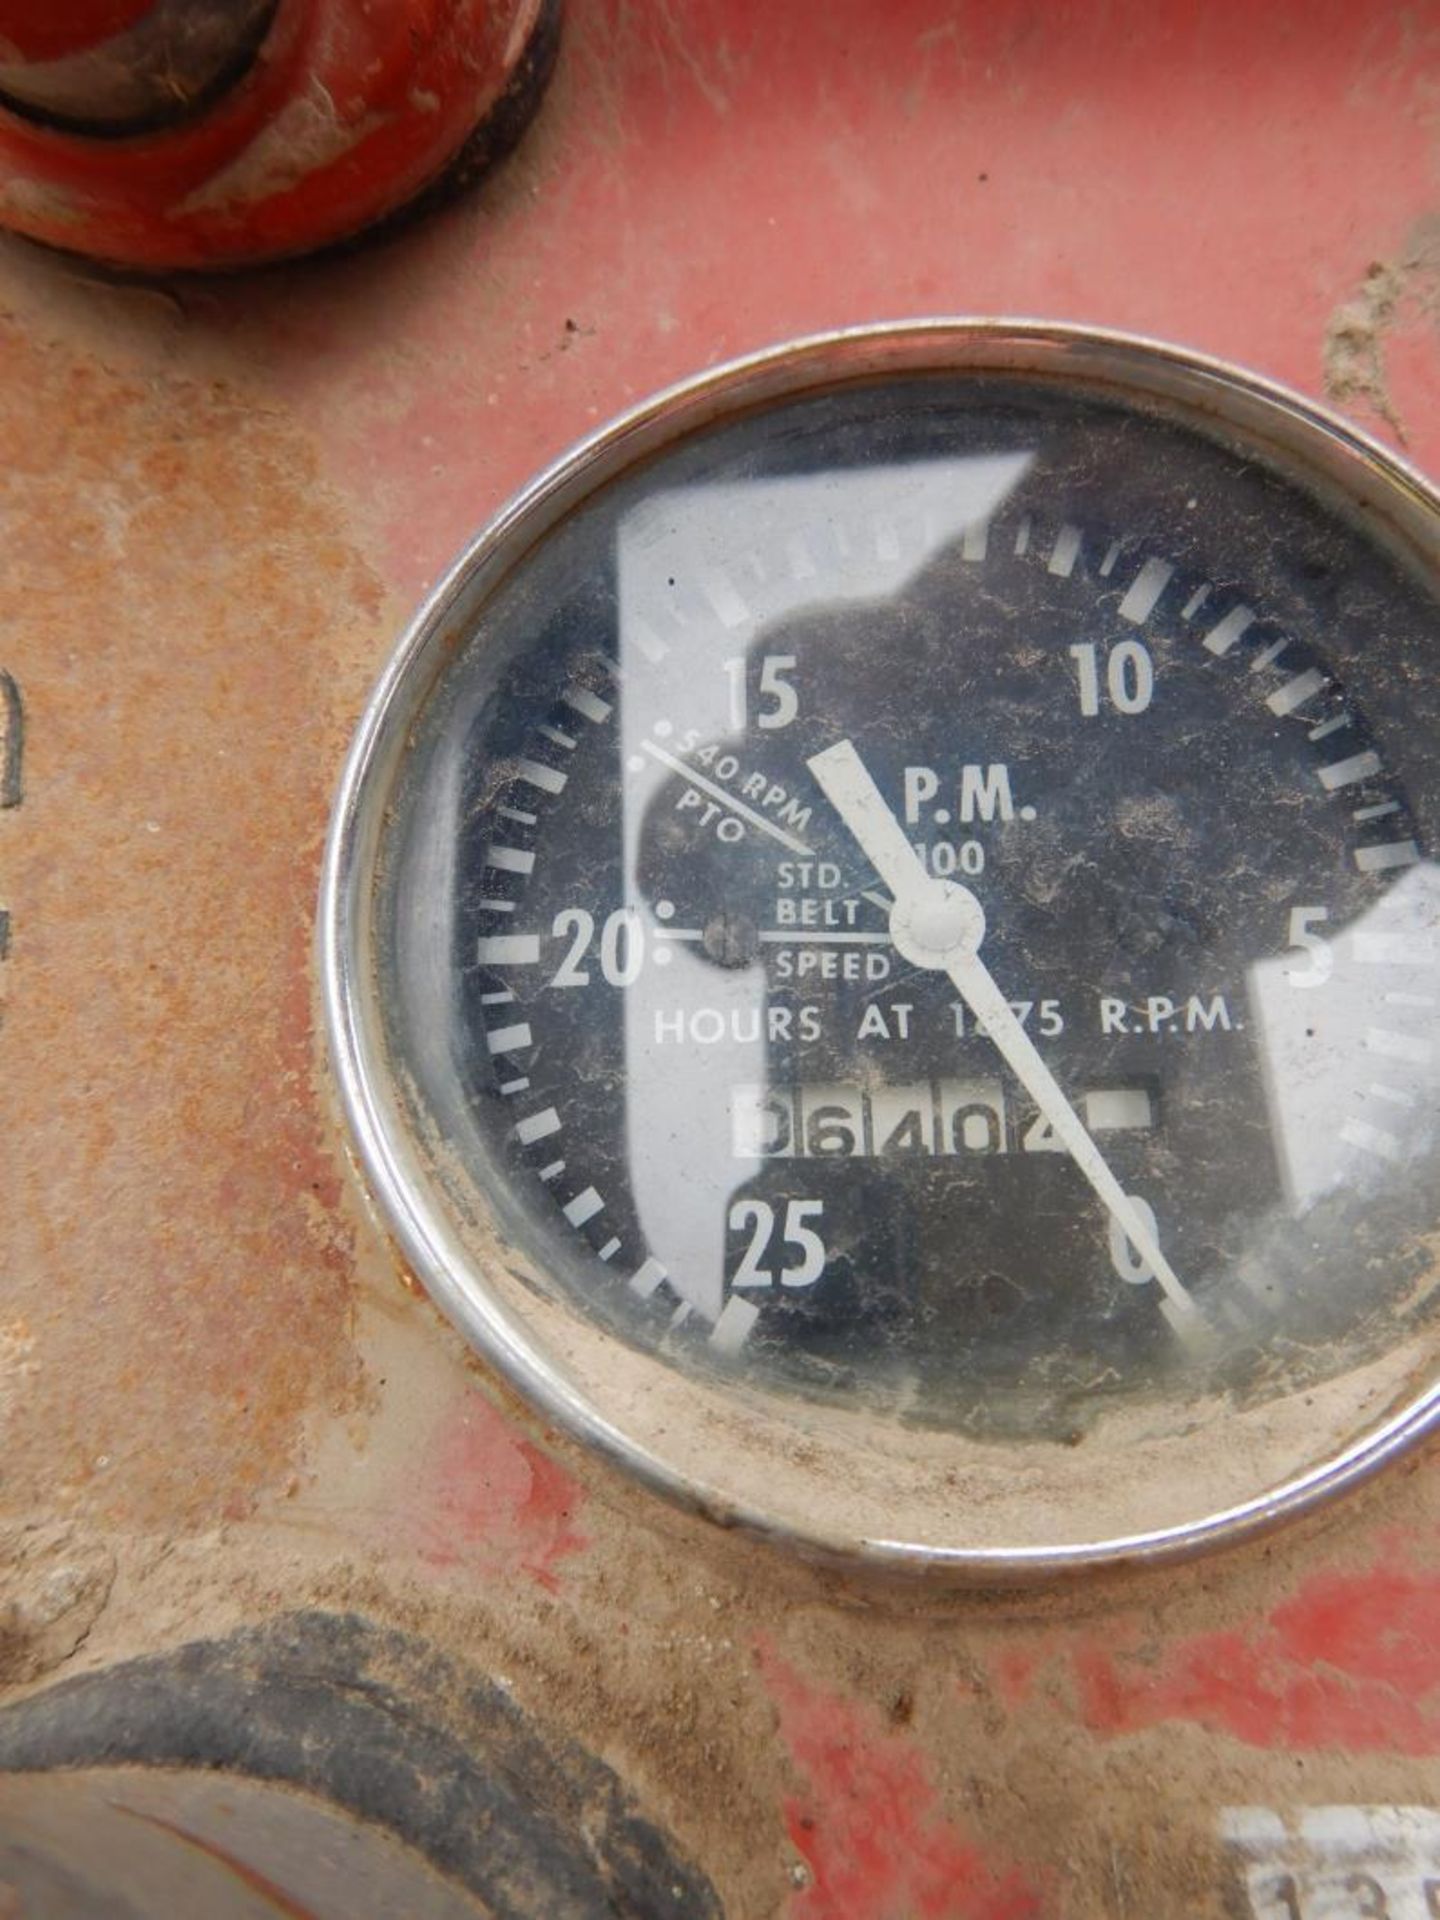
[(722, 564), (1348, 1017)]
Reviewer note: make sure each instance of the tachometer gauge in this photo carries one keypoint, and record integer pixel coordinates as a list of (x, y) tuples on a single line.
[(882, 947)]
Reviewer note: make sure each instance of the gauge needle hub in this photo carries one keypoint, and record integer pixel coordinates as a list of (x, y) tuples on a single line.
[(939, 925)]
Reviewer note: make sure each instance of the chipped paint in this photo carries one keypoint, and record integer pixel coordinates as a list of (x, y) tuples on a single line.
[(307, 135), (490, 1500), (868, 1821), (1350, 1661), (1382, 344)]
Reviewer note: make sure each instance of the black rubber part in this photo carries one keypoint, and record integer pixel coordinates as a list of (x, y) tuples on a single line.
[(380, 1724)]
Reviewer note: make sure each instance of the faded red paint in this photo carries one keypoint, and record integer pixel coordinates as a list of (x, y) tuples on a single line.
[(1014, 1672), (1351, 1662), (869, 1824), (487, 1500), (195, 618), (714, 178)]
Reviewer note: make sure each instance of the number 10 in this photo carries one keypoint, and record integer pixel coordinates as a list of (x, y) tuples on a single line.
[(1129, 677)]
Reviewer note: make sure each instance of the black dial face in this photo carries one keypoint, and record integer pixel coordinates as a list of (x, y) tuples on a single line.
[(921, 896)]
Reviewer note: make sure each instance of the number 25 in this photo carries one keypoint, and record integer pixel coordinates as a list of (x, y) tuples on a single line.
[(760, 1215)]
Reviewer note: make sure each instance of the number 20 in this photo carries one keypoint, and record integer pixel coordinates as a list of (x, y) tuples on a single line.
[(622, 947)]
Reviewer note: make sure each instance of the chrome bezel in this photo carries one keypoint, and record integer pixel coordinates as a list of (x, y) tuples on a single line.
[(1296, 435)]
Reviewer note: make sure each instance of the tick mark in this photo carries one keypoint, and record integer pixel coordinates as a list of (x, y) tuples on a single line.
[(589, 705), (537, 1126), (1145, 591), (1223, 635), (583, 1207)]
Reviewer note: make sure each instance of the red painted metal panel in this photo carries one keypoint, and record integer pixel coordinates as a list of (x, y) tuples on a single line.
[(222, 499)]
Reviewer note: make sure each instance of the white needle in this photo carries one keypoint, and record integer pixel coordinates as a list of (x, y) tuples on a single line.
[(939, 924)]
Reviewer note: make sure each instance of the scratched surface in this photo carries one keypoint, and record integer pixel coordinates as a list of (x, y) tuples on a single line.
[(218, 503)]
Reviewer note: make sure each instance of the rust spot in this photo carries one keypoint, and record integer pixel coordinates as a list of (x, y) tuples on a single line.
[(180, 594)]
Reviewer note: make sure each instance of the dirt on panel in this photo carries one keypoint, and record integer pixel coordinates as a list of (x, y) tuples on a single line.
[(176, 1288)]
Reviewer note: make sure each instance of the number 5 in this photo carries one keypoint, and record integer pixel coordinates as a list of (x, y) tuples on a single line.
[(1302, 940), (772, 681), (811, 1246)]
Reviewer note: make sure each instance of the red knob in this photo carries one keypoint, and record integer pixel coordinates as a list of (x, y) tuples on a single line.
[(214, 133)]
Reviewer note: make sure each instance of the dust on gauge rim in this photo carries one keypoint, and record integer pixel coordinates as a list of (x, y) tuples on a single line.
[(910, 887)]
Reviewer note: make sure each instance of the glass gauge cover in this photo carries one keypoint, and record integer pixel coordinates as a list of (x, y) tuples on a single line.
[(883, 947)]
